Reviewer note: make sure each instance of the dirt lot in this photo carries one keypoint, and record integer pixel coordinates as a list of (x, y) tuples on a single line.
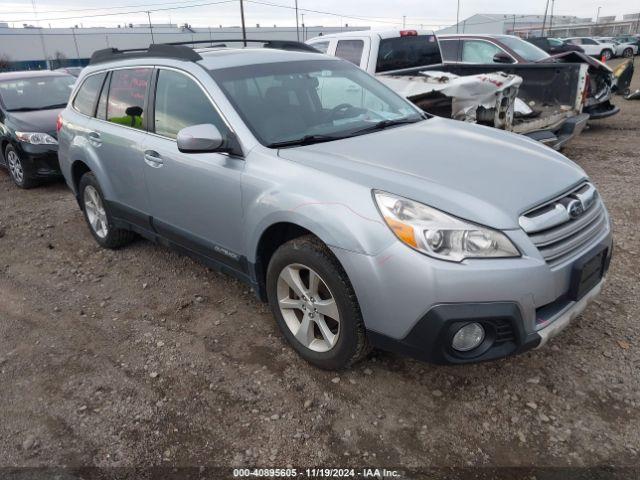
[(144, 357)]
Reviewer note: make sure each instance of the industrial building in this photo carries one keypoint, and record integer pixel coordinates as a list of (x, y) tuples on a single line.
[(33, 48), (508, 23), (554, 25)]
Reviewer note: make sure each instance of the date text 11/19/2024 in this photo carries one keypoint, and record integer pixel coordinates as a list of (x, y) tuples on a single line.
[(316, 473)]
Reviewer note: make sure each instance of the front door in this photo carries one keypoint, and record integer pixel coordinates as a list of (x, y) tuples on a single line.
[(195, 198)]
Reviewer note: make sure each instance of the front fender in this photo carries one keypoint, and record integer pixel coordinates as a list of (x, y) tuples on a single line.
[(340, 212)]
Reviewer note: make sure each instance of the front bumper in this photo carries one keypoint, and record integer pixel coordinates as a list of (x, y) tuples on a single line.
[(39, 161), (413, 305)]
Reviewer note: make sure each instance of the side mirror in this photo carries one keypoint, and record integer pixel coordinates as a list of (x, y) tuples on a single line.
[(200, 139), (502, 57)]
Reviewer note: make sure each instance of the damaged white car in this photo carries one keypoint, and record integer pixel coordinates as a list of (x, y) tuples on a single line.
[(486, 98), (411, 63)]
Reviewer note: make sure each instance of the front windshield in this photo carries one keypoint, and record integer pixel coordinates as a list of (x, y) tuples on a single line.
[(526, 50), (290, 101), (36, 93)]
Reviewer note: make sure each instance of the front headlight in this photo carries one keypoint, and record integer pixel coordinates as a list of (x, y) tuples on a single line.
[(439, 235), (36, 138)]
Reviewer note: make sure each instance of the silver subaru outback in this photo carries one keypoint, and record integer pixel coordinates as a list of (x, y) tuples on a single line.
[(361, 220)]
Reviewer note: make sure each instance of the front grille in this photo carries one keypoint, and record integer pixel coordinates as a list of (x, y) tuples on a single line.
[(565, 226)]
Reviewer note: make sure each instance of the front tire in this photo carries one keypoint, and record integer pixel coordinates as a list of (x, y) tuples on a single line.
[(315, 305), (607, 54), (19, 174), (98, 216)]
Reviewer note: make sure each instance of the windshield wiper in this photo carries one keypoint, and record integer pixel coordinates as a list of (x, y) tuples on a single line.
[(306, 140), (382, 124)]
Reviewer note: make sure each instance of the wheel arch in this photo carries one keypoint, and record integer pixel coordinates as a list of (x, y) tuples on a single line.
[(270, 240)]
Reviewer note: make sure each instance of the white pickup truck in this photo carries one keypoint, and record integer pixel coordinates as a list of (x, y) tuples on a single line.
[(410, 62)]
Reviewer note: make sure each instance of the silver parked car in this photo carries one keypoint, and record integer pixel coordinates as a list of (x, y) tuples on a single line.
[(360, 219)]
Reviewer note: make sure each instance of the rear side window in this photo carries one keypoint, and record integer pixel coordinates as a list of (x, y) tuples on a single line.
[(125, 105), (85, 101), (408, 52), (350, 50), (181, 103), (450, 50), (101, 113)]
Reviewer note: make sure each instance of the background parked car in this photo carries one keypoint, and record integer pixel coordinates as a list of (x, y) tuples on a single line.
[(29, 106), (594, 47), (632, 39), (623, 49), (553, 45)]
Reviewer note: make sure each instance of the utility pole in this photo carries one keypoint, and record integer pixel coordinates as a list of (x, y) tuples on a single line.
[(544, 21), (244, 30), (553, 2), (304, 34), (598, 14), (297, 26), (150, 27), (404, 21), (458, 18)]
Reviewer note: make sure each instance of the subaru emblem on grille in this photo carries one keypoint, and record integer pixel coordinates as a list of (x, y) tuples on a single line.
[(575, 208)]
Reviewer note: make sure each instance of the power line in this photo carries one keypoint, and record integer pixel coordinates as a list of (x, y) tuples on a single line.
[(126, 13), (320, 12), (100, 8)]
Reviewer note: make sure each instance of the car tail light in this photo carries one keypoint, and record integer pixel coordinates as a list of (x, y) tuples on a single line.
[(408, 33), (59, 123)]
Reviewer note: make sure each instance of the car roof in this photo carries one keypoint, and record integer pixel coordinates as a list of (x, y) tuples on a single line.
[(486, 35), (31, 74), (214, 58), (372, 34), (224, 57)]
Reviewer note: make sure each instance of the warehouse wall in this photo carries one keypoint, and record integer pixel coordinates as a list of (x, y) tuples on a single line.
[(33, 48)]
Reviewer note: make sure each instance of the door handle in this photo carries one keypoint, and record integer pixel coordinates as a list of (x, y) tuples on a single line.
[(152, 158)]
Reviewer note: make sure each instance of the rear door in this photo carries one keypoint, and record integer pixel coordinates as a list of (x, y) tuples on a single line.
[(195, 197), (117, 135)]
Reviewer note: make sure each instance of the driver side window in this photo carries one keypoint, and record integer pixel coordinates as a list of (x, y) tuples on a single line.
[(478, 51)]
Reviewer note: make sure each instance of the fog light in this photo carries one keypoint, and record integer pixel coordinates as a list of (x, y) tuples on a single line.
[(468, 337)]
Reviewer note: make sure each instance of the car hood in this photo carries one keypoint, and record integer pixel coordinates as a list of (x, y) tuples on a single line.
[(35, 121), (477, 173)]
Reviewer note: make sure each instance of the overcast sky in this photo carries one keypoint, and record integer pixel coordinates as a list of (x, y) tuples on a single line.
[(374, 13)]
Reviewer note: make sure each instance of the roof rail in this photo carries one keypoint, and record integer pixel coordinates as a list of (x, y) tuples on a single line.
[(156, 50), (277, 44), (182, 51)]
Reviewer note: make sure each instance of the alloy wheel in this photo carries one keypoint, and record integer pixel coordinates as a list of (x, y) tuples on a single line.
[(308, 307), (96, 213), (15, 166)]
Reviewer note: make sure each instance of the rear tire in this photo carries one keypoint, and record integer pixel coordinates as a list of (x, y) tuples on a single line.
[(19, 174), (323, 320), (98, 216), (627, 53)]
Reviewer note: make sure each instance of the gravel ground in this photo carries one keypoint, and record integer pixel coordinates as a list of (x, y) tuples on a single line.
[(142, 357)]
